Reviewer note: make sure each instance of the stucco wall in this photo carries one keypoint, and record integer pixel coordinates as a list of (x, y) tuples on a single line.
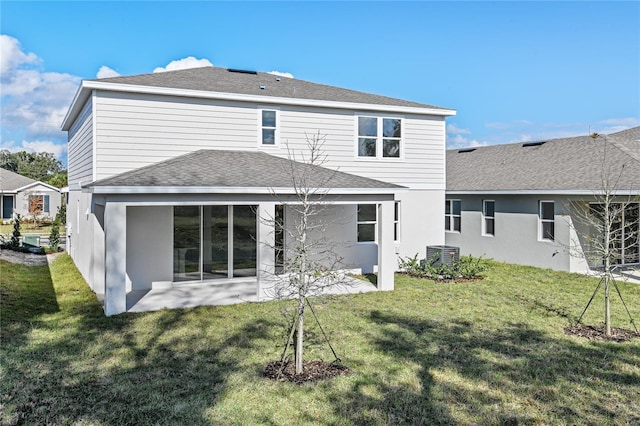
[(516, 238)]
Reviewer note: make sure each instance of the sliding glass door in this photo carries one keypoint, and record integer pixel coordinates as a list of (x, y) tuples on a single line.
[(214, 242)]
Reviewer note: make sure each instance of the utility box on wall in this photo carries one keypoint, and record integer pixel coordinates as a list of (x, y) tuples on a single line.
[(438, 255)]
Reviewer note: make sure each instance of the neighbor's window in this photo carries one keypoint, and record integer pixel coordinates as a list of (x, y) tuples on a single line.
[(269, 127), (452, 215), (38, 204), (379, 137), (488, 213), (547, 221), (396, 221), (367, 215)]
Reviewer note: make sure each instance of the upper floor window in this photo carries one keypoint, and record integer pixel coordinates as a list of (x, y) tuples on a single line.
[(489, 217), (379, 137), (452, 215), (367, 220), (547, 221), (269, 127)]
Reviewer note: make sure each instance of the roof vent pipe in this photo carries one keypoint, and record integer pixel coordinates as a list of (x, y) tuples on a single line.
[(262, 87)]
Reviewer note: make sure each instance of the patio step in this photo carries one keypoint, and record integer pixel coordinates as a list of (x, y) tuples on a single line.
[(632, 275)]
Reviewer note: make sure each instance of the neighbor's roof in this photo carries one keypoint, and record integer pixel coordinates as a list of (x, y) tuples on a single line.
[(254, 85), (219, 169), (11, 182), (567, 164)]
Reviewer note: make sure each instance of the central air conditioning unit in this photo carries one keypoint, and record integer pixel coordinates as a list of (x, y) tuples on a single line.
[(438, 255)]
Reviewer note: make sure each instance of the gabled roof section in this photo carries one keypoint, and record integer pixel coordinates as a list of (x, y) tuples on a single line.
[(567, 164), (216, 170), (11, 182), (215, 82)]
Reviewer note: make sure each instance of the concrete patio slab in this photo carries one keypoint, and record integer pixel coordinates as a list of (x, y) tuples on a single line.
[(214, 294)]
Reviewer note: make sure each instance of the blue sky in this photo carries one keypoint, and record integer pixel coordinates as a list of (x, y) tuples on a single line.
[(514, 71)]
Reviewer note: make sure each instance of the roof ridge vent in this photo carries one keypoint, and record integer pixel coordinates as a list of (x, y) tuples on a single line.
[(462, 151), (528, 144), (242, 71)]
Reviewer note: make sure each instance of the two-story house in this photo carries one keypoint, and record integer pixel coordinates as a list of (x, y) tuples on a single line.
[(171, 173)]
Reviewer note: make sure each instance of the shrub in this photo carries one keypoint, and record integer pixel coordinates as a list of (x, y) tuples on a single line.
[(468, 267), (54, 237), (15, 236)]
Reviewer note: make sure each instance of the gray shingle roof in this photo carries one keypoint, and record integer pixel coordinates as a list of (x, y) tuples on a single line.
[(11, 181), (559, 164), (216, 79), (222, 168)]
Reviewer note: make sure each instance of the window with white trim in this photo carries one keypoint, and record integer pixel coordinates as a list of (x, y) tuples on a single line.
[(489, 217), (269, 127), (452, 215), (379, 137), (38, 204), (367, 222), (396, 221), (547, 221)]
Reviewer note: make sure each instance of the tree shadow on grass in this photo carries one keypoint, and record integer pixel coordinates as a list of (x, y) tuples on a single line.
[(157, 368), (513, 375)]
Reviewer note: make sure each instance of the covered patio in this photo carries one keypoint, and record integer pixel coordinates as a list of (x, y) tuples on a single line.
[(200, 229)]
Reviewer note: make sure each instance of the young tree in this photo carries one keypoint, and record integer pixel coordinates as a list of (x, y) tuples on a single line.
[(606, 225), (310, 262), (15, 235), (54, 236)]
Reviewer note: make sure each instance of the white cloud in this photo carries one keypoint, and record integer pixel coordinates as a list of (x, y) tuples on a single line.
[(455, 130), (281, 74), (12, 56), (613, 125), (106, 72), (34, 101), (36, 146), (185, 63), (459, 141)]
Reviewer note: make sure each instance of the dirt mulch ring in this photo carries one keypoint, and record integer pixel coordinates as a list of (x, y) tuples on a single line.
[(312, 371), (597, 333)]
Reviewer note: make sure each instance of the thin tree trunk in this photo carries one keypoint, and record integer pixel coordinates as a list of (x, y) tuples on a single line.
[(300, 342), (607, 306)]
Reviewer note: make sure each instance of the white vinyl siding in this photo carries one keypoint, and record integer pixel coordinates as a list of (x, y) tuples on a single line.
[(80, 149), (136, 130)]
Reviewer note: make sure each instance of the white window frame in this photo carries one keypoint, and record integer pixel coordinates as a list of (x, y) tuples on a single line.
[(367, 222), (276, 137), (449, 217), (541, 221), (396, 222), (379, 138), (486, 217), (44, 200)]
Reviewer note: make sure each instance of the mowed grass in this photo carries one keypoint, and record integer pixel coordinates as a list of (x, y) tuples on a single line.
[(487, 352)]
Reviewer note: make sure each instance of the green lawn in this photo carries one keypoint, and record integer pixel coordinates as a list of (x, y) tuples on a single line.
[(488, 352), (28, 227)]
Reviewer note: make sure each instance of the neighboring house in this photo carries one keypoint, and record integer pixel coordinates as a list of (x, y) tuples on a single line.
[(519, 203), (27, 197), (171, 173)]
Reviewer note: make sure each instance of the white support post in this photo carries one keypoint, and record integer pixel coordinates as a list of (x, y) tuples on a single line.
[(386, 251), (266, 242), (115, 265)]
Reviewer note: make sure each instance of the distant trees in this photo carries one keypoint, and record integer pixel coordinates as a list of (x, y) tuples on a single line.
[(42, 166)]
